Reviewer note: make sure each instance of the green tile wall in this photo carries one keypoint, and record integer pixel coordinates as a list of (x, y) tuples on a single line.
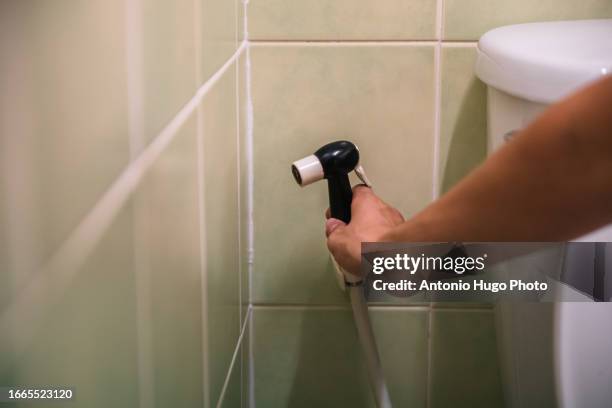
[(305, 357), (463, 116), (342, 20), (168, 38), (169, 242), (380, 75), (221, 219), (219, 30), (233, 397), (464, 367), (85, 335), (153, 312), (469, 19), (305, 96), (88, 85), (64, 123)]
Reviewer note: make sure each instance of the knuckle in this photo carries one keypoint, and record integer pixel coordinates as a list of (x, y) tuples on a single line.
[(361, 189), (332, 244)]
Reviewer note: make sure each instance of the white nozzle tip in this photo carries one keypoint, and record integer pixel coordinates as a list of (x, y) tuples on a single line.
[(307, 170)]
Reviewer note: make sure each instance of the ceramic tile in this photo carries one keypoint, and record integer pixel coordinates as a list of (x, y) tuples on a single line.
[(311, 357), (244, 189), (169, 237), (220, 157), (168, 60), (469, 19), (85, 335), (463, 116), (380, 97), (218, 34), (465, 371), (63, 122), (342, 20)]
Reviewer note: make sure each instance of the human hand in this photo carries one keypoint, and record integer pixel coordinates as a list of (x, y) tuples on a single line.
[(371, 219)]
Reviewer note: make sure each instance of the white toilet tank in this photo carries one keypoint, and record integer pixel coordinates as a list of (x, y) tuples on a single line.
[(552, 355)]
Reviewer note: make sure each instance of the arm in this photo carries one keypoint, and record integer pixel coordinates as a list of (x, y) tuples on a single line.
[(552, 182)]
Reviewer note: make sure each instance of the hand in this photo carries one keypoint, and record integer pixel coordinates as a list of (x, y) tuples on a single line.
[(371, 219)]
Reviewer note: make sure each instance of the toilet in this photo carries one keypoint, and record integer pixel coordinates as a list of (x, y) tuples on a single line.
[(551, 354)]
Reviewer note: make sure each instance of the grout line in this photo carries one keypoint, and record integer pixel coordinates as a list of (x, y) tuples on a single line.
[(440, 20), (341, 40), (241, 283), (436, 128), (429, 356), (281, 43), (249, 205), (233, 361), (436, 169), (397, 308), (464, 309), (299, 306), (251, 362), (239, 189), (55, 276), (437, 99), (135, 97), (249, 172), (459, 44), (372, 306), (363, 40), (201, 210), (203, 264), (395, 43), (340, 307)]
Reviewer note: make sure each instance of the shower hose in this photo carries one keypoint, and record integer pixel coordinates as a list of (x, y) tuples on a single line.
[(368, 344)]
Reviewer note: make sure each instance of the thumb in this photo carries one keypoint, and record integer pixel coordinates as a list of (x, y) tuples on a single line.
[(331, 225)]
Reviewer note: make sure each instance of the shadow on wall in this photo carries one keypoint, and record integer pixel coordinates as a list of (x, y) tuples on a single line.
[(468, 141)]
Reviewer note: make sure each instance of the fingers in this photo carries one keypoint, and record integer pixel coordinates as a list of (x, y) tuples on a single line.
[(394, 215), (362, 194), (331, 225), (359, 190), (336, 239), (364, 200), (345, 250)]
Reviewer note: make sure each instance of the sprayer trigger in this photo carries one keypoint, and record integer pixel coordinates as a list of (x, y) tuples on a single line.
[(360, 172)]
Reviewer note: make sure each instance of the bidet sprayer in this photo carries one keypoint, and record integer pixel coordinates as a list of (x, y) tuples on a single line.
[(332, 162)]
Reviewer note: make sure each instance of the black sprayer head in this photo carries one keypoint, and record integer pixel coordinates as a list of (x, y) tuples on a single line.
[(339, 157), (331, 160)]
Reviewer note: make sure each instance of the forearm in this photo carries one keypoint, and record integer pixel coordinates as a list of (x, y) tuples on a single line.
[(552, 182)]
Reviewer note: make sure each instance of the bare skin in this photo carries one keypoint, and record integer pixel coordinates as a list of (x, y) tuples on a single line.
[(552, 182)]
